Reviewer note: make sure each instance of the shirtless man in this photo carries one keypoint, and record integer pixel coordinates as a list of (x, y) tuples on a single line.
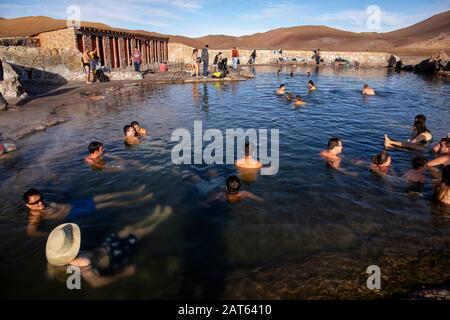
[(335, 148), (248, 162), (298, 101), (368, 91), (281, 90), (87, 57), (95, 157), (131, 135), (232, 193)]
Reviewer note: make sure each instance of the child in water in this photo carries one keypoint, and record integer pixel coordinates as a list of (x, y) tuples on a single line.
[(131, 135)]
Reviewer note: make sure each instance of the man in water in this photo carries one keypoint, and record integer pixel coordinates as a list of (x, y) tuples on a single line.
[(421, 136), (141, 131), (368, 91), (416, 174), (95, 157), (311, 86), (39, 210), (281, 90), (248, 162), (131, 135), (335, 148), (232, 193)]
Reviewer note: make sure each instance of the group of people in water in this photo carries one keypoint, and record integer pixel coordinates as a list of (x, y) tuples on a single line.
[(65, 246), (381, 163)]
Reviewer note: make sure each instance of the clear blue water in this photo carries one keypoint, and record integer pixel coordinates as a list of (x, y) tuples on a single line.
[(308, 209)]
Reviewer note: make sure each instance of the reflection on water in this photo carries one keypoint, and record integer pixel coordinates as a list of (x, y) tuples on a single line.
[(310, 214)]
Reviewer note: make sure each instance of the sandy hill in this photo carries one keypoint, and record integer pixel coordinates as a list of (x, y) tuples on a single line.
[(429, 35)]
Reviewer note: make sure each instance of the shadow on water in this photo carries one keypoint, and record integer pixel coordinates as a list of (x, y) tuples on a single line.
[(204, 259)]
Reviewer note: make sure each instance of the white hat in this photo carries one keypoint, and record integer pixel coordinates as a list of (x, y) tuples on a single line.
[(63, 244)]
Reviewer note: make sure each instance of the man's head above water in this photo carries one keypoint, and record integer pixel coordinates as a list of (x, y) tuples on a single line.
[(233, 184), (33, 199), (335, 145)]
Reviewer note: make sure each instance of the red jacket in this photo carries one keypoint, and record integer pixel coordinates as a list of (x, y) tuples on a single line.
[(234, 53)]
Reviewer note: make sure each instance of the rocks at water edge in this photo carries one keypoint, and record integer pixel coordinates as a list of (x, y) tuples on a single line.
[(437, 62), (3, 103), (10, 88), (125, 75)]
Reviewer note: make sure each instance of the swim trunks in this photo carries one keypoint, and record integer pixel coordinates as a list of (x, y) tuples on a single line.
[(119, 250), (82, 208)]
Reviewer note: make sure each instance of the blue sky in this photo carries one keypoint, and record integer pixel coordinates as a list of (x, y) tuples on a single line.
[(234, 17)]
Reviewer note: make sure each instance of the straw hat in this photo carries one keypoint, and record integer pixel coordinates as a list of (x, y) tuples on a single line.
[(63, 244)]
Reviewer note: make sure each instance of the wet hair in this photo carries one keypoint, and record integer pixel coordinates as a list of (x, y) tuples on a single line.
[(380, 158), (298, 97), (420, 118), (127, 127), (420, 128), (233, 184), (311, 82), (29, 193), (206, 46), (446, 175), (282, 85), (418, 162), (333, 143), (94, 146), (365, 86), (134, 123)]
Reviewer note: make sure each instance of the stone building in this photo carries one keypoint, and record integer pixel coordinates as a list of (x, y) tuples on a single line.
[(114, 46)]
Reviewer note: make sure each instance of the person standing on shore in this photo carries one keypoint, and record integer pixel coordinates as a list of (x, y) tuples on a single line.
[(217, 59), (86, 59), (205, 60), (195, 63), (318, 56), (235, 57), (137, 59), (253, 57)]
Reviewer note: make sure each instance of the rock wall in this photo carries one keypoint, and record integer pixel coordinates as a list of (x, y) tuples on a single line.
[(64, 38), (180, 52), (43, 64), (11, 90)]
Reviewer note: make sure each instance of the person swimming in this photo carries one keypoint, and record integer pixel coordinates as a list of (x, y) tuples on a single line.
[(334, 149), (232, 193), (416, 174), (248, 162), (278, 72), (311, 86), (308, 74), (442, 188), (368, 91), (39, 210), (421, 136), (108, 262), (131, 135), (141, 131), (281, 90), (381, 163), (298, 101), (95, 157), (289, 96)]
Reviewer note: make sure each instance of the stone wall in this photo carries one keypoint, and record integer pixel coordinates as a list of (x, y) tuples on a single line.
[(180, 52), (44, 64), (64, 38)]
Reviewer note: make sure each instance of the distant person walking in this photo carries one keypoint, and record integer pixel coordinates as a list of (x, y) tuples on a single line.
[(205, 60), (137, 59), (234, 57)]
